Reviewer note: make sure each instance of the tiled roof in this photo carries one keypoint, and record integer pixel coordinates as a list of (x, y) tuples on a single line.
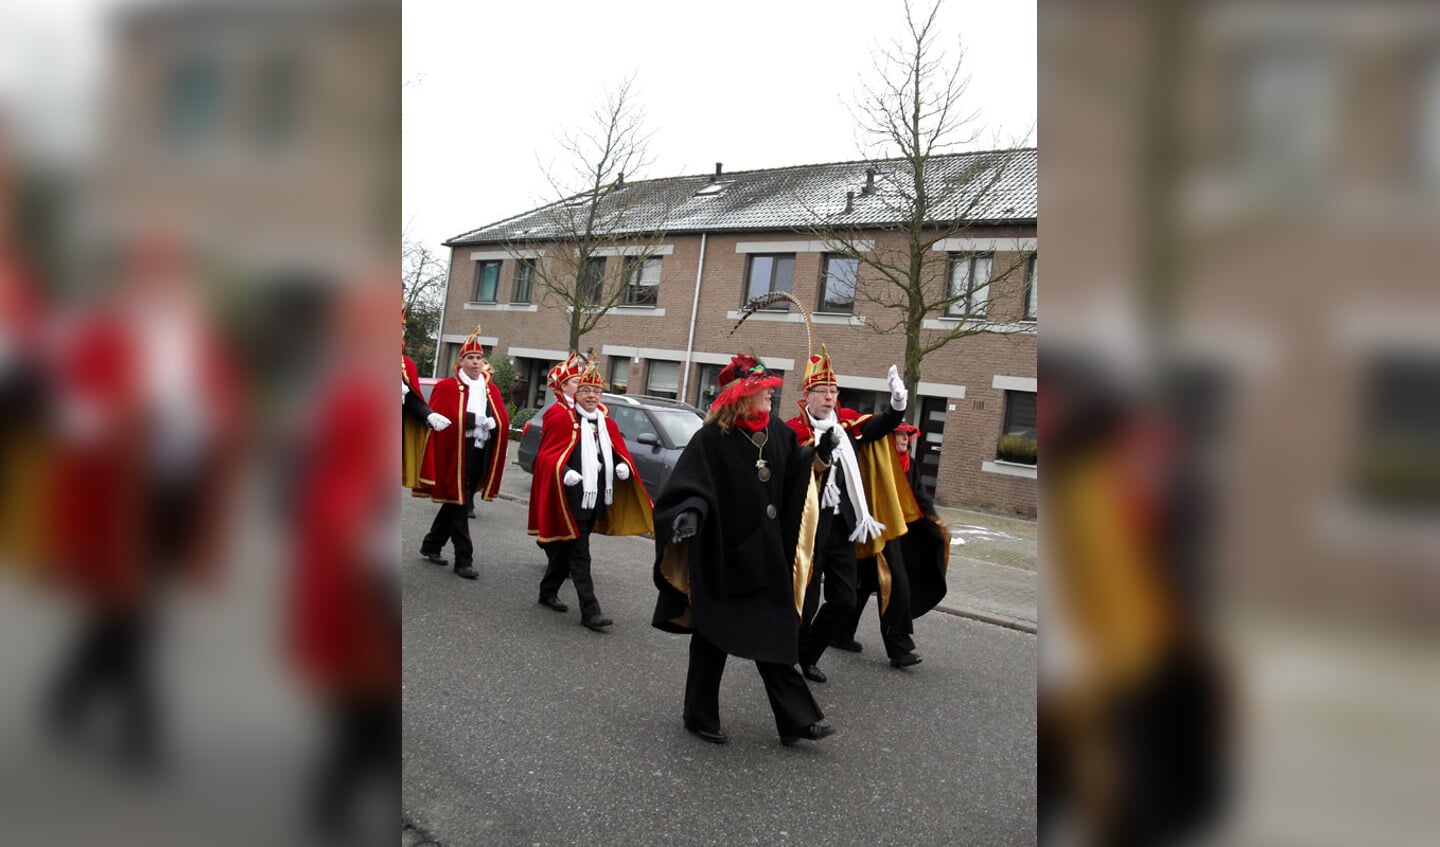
[(789, 198)]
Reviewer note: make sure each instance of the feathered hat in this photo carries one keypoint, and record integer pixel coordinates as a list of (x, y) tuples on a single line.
[(744, 376)]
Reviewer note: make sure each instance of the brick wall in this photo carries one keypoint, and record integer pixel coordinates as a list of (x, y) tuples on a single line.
[(972, 362)]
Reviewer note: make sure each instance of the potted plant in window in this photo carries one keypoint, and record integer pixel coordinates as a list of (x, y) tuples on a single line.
[(1017, 448)]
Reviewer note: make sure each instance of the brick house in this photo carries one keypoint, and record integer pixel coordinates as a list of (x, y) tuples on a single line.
[(729, 236)]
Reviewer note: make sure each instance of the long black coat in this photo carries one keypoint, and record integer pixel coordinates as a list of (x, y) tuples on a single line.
[(734, 581)]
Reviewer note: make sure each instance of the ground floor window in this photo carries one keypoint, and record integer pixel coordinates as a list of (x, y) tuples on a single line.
[(662, 379), (619, 374), (1017, 439)]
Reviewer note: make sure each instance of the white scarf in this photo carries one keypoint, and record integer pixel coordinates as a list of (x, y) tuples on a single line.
[(866, 527), (590, 424), (477, 403)]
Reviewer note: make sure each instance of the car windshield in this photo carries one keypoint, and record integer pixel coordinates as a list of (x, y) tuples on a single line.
[(677, 424)]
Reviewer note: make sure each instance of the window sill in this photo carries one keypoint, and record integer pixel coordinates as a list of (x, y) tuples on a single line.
[(949, 324), (795, 317), (639, 311), (501, 307), (1004, 468)]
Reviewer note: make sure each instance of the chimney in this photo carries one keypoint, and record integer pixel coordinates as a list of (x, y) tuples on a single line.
[(620, 180), (716, 177), (849, 202), (869, 181)]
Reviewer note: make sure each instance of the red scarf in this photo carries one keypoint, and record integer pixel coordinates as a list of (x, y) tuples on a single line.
[(905, 461), (753, 421)]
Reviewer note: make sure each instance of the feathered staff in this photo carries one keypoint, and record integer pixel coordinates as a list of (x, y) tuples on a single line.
[(775, 297)]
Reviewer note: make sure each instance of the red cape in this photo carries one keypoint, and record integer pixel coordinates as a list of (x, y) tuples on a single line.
[(93, 505), (550, 517), (442, 475), (342, 634), (409, 372)]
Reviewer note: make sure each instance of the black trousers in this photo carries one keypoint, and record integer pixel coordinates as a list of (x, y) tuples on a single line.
[(572, 559), (110, 661), (836, 562), (452, 521), (363, 742), (790, 699), (896, 625)]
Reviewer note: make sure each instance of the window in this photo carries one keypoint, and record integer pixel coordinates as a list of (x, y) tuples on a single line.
[(280, 100), (663, 379), (619, 373), (524, 280), (632, 421), (593, 283), (707, 387), (193, 100), (1032, 289), (1395, 461), (487, 280), (642, 281), (770, 273), (1017, 443), (970, 284), (837, 284), (1287, 101)]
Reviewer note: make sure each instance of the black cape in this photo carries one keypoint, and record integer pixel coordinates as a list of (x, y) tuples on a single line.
[(735, 581)]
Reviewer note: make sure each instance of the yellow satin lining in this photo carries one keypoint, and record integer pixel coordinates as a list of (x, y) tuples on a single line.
[(805, 544)]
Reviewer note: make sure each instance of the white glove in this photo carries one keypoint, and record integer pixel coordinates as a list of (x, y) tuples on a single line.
[(404, 389), (572, 477), (437, 421), (622, 471), (486, 424), (899, 397)]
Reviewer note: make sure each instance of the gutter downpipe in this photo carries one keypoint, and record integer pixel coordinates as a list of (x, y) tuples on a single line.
[(440, 330), (694, 315)]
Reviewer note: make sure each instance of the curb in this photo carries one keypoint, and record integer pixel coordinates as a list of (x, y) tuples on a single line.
[(990, 618)]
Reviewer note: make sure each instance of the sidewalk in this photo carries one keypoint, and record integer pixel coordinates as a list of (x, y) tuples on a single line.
[(992, 575)]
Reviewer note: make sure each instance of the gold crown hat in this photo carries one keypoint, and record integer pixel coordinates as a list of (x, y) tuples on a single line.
[(818, 370), (591, 376), (573, 365)]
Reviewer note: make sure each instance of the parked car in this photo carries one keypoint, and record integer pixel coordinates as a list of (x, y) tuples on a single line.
[(656, 430)]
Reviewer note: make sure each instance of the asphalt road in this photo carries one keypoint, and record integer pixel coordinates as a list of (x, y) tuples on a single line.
[(524, 728)]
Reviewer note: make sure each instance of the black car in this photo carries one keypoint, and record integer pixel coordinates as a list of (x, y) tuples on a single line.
[(656, 429)]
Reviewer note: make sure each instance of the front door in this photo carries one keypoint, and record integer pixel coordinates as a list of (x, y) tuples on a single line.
[(932, 436)]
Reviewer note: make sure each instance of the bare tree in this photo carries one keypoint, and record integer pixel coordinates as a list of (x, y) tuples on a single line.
[(423, 279), (910, 120), (588, 250)]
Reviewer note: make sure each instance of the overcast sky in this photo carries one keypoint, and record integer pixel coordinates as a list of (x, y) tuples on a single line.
[(489, 87)]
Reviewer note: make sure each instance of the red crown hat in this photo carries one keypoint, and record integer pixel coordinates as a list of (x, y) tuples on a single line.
[(907, 429), (472, 345), (818, 370), (591, 376), (572, 366), (744, 376)]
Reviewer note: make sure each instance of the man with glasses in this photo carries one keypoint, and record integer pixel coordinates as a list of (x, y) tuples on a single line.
[(851, 519), (584, 481)]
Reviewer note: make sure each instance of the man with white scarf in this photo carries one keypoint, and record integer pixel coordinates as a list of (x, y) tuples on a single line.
[(845, 517), (466, 460), (584, 481)]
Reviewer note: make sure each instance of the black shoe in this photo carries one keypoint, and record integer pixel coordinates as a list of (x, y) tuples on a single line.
[(553, 602), (434, 557), (849, 645), (905, 660), (813, 732), (716, 737), (467, 572), (813, 673), (472, 511), (597, 623)]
